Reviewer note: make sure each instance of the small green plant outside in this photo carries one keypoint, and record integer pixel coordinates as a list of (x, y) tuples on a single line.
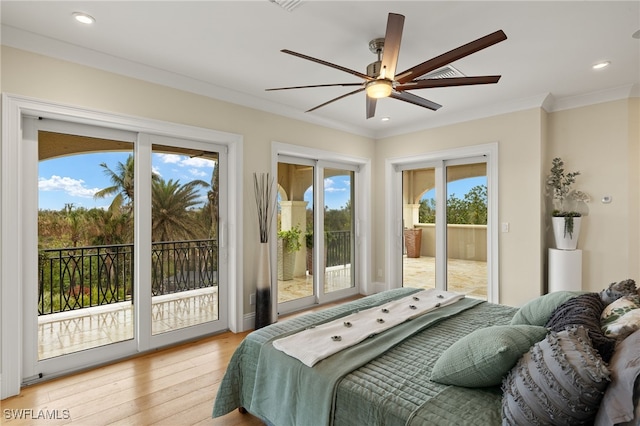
[(291, 239)]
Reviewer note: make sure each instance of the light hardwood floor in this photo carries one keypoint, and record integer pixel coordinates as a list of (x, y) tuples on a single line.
[(175, 386)]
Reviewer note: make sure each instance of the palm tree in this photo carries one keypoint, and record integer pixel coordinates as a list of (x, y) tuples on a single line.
[(122, 180), (212, 203), (172, 214), (109, 227)]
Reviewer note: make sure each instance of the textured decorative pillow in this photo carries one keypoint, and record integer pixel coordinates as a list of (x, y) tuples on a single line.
[(484, 357), (617, 321), (620, 307), (623, 326), (618, 290), (560, 381), (584, 310), (538, 310), (618, 403)]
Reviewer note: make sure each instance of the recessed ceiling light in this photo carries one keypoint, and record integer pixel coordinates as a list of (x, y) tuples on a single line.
[(601, 65), (84, 18), (385, 119), (636, 35)]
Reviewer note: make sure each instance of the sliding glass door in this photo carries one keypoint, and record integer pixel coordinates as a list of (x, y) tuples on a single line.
[(316, 249), (339, 230), (445, 212), (121, 235), (85, 234), (184, 237)]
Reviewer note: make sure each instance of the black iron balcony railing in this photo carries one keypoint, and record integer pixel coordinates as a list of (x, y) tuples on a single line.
[(338, 245), (82, 277)]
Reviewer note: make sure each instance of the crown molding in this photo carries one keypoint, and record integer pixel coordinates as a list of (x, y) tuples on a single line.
[(28, 41), (612, 94)]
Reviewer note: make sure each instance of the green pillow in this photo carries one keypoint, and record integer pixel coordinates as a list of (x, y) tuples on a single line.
[(538, 310), (484, 357)]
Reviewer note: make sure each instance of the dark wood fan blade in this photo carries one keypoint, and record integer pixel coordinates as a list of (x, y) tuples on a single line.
[(371, 107), (392, 39), (447, 82), (416, 100), (451, 56), (335, 99), (328, 64), (315, 85)]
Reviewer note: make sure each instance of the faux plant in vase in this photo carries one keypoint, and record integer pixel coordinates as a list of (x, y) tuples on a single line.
[(569, 205), (264, 192)]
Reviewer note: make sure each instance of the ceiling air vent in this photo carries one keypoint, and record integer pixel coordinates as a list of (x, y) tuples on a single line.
[(287, 5), (445, 72)]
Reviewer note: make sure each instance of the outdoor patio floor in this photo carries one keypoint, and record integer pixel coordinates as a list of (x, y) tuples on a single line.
[(465, 276), (72, 331)]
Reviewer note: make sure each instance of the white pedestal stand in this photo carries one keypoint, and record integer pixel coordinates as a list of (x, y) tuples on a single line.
[(565, 270)]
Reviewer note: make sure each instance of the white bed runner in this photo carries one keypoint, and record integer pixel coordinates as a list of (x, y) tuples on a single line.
[(317, 343)]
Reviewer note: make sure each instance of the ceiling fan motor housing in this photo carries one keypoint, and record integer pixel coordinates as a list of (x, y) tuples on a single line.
[(373, 69)]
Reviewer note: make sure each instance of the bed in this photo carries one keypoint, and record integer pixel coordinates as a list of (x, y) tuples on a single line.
[(388, 379)]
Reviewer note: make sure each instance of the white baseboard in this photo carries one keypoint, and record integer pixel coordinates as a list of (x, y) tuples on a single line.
[(378, 286), (249, 321)]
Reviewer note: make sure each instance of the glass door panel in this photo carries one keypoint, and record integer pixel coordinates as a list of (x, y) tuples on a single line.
[(295, 246), (419, 228), (85, 243), (467, 229), (339, 230), (184, 231)]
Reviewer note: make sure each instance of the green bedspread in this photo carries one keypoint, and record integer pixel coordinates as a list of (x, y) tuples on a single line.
[(390, 389)]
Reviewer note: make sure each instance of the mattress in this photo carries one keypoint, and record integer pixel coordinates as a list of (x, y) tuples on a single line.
[(392, 388)]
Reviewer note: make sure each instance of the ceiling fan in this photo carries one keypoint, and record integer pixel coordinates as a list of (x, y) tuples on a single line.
[(381, 80)]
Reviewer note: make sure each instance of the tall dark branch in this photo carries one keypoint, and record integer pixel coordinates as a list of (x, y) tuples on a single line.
[(263, 189)]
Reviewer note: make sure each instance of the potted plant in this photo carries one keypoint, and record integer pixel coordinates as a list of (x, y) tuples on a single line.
[(288, 244), (569, 205)]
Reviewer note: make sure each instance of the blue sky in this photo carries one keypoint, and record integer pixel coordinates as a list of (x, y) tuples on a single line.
[(75, 179), (337, 190)]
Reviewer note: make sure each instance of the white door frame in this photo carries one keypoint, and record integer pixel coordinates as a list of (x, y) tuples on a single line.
[(14, 108), (393, 210), (362, 206)]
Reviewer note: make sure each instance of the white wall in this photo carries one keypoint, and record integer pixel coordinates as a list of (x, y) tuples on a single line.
[(518, 136), (602, 142)]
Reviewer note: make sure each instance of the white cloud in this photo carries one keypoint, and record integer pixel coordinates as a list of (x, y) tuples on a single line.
[(329, 186), (184, 161), (198, 173), (73, 187), (197, 162), (169, 158)]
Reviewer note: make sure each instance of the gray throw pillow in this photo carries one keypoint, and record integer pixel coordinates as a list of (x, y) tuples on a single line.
[(620, 399), (584, 310), (560, 381)]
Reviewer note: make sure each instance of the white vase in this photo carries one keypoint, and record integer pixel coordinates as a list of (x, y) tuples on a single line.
[(564, 240)]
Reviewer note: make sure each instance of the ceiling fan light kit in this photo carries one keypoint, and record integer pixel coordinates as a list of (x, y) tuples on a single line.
[(381, 80), (379, 88)]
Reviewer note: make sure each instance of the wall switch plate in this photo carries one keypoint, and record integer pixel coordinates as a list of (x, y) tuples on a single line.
[(252, 299), (505, 226)]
